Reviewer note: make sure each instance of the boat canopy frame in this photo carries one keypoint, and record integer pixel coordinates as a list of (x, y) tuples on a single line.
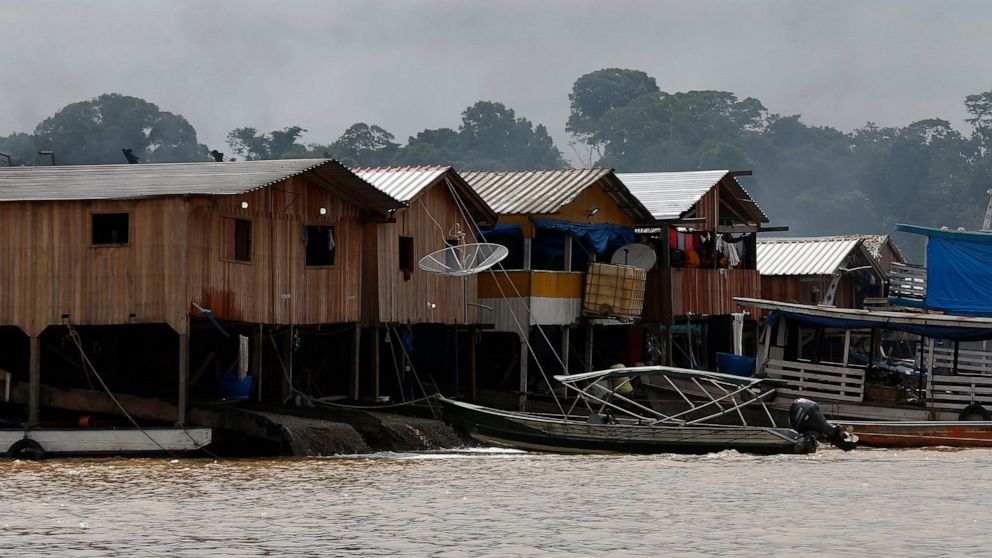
[(732, 393)]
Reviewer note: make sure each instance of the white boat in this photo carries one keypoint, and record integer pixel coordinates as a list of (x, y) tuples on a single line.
[(36, 443)]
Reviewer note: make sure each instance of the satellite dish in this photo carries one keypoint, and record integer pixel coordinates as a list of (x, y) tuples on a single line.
[(464, 259), (637, 255)]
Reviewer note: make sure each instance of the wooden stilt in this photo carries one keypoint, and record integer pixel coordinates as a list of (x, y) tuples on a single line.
[(376, 334), (524, 357), (472, 333), (588, 354), (353, 386), (34, 382), (183, 379), (566, 334), (287, 361), (256, 361), (669, 346)]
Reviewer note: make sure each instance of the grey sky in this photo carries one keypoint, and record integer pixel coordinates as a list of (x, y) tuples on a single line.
[(413, 65)]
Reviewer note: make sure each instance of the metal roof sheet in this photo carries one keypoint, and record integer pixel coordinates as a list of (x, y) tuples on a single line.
[(532, 192), (80, 182), (804, 256), (402, 183), (669, 195)]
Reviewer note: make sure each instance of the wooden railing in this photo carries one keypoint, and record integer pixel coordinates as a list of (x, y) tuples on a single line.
[(908, 282), (970, 362), (957, 392), (818, 381)]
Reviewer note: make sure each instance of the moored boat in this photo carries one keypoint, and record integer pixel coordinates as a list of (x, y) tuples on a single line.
[(618, 424), (37, 443)]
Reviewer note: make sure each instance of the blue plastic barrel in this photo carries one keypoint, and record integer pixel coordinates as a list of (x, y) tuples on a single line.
[(739, 365), (230, 387)]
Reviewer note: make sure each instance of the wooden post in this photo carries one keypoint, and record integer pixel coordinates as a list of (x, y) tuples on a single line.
[(183, 379), (524, 357), (669, 346), (376, 334), (34, 382), (588, 354), (665, 261), (472, 333), (355, 362), (256, 362), (287, 361), (566, 334), (527, 249)]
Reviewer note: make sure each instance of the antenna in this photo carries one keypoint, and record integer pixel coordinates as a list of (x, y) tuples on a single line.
[(637, 255), (464, 259)]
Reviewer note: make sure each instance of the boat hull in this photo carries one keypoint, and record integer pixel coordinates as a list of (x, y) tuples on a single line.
[(540, 433), (916, 434), (105, 441)]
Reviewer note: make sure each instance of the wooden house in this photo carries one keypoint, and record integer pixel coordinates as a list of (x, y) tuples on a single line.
[(111, 250), (441, 210), (544, 220), (705, 231), (801, 269)]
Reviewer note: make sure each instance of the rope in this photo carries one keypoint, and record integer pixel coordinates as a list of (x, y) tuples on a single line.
[(468, 219), (82, 353)]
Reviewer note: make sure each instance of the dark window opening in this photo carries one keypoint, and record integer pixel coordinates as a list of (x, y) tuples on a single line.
[(110, 228), (241, 249), (406, 256), (320, 245)]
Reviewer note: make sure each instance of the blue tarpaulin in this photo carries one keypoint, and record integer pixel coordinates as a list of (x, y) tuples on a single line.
[(504, 230), (932, 331), (599, 237), (959, 276)]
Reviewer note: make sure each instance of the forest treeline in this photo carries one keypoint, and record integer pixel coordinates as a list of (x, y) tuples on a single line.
[(814, 179)]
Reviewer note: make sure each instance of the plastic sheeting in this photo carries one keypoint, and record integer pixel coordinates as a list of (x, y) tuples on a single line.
[(959, 276), (599, 237)]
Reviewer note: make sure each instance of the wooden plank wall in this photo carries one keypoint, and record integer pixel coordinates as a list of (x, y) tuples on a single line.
[(50, 268), (276, 287), (593, 197), (795, 288), (405, 301), (711, 291)]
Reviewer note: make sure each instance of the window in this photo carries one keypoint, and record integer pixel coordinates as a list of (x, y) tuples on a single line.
[(320, 245), (406, 256), (237, 239), (110, 228)]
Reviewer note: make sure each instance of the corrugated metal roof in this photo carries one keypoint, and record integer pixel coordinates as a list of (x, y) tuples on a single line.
[(531, 192), (402, 183), (669, 195), (804, 256), (77, 182)]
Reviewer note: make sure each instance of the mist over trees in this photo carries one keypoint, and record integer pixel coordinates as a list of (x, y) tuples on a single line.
[(815, 179)]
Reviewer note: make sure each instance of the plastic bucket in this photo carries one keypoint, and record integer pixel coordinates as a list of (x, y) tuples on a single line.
[(739, 365), (229, 386)]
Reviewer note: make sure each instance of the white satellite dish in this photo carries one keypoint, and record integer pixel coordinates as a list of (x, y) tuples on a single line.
[(464, 259), (637, 255)]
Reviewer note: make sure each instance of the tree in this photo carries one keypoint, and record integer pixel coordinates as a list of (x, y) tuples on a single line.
[(278, 144), (362, 145), (95, 131), (491, 137), (596, 93)]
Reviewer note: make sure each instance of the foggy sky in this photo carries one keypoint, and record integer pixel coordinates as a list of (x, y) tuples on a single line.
[(410, 65)]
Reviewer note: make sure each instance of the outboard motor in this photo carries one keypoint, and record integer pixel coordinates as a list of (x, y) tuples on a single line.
[(806, 418)]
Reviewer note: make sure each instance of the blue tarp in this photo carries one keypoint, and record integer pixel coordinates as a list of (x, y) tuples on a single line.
[(959, 276), (933, 331), (599, 237), (504, 230)]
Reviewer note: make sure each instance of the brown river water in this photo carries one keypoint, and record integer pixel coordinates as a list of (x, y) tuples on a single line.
[(504, 503)]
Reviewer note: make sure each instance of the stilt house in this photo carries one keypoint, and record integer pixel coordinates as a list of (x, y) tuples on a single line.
[(138, 259), (554, 223), (441, 210)]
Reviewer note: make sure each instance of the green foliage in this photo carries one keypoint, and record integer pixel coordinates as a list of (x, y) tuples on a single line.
[(95, 131), (278, 144), (815, 179)]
